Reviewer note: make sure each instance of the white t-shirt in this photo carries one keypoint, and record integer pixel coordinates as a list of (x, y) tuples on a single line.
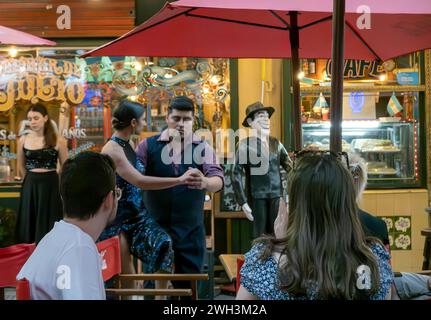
[(65, 266)]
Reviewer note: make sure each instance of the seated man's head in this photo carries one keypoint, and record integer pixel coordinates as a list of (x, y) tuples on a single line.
[(181, 115), (87, 187)]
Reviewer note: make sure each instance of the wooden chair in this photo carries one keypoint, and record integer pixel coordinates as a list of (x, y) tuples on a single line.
[(23, 289), (12, 259), (232, 264), (110, 252)]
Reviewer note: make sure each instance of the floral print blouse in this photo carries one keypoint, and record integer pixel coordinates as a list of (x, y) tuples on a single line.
[(259, 276)]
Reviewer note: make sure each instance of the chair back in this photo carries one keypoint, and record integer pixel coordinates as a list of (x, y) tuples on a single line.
[(23, 289), (12, 259), (109, 251)]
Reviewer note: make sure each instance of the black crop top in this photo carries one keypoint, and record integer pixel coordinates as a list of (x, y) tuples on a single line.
[(45, 158)]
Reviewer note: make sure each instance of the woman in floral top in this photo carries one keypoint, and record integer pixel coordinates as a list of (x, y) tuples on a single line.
[(323, 253)]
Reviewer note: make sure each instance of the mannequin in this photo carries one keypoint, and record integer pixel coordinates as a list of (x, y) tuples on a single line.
[(259, 158)]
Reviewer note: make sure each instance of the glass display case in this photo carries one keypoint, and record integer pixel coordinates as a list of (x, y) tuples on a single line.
[(383, 113), (390, 149)]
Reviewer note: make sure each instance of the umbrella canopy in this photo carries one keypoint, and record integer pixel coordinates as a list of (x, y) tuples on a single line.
[(260, 29), (283, 29), (12, 36)]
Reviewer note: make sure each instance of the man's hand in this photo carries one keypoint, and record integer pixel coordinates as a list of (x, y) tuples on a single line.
[(280, 223), (188, 175), (247, 210), (196, 179)]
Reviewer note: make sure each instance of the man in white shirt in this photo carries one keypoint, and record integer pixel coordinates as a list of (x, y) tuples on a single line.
[(66, 264)]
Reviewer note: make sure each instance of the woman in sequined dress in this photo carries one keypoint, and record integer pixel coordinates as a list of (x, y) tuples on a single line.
[(41, 152), (139, 233)]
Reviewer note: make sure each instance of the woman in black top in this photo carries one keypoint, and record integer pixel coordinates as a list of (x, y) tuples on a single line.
[(39, 152)]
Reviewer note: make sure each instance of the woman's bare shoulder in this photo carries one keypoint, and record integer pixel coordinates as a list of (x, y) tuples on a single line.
[(113, 150), (108, 147), (21, 140)]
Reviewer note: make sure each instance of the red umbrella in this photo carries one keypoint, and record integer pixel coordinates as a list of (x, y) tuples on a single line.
[(258, 29), (12, 36), (278, 29)]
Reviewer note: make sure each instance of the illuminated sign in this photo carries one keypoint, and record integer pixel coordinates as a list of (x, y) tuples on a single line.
[(39, 78), (358, 69)]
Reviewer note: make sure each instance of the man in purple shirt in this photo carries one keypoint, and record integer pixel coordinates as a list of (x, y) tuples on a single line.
[(179, 210)]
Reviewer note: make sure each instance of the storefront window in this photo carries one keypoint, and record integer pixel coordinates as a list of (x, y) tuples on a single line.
[(81, 93)]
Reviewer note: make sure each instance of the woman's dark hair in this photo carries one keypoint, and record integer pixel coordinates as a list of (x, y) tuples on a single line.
[(85, 181), (181, 103), (125, 112), (50, 136), (324, 243)]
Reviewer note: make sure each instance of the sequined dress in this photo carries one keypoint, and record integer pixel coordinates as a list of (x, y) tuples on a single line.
[(147, 240)]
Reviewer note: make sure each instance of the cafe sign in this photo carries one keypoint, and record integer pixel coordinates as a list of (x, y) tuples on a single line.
[(358, 69), (39, 78)]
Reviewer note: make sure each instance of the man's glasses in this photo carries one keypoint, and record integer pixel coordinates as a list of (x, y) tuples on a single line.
[(341, 156)]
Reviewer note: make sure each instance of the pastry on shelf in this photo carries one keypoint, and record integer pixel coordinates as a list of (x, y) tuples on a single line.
[(324, 145), (374, 145), (380, 168)]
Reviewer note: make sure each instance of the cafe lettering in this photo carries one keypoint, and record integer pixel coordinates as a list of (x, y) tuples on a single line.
[(358, 69), (41, 78)]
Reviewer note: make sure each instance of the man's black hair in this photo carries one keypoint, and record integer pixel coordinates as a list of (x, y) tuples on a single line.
[(181, 103), (85, 181)]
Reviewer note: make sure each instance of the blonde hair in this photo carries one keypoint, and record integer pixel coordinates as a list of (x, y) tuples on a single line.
[(359, 171)]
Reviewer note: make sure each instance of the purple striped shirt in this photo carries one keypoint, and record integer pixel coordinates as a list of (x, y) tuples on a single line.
[(210, 165)]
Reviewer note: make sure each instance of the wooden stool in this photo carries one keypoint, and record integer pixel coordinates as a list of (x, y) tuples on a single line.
[(427, 249)]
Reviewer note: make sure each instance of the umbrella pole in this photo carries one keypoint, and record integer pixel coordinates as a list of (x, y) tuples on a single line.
[(337, 72), (294, 47)]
